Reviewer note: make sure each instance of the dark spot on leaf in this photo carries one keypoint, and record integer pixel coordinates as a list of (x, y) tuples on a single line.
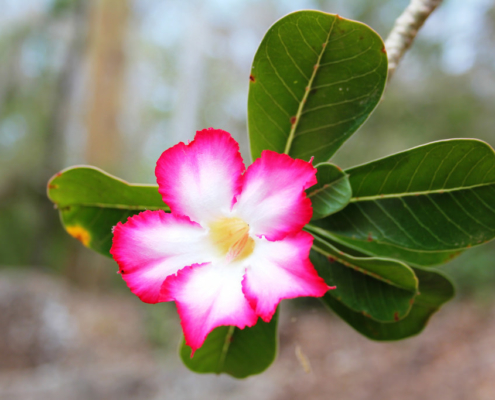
[(411, 302), (293, 120), (396, 316), (384, 50), (339, 17), (52, 186), (58, 174), (306, 88), (323, 45), (331, 259), (251, 78), (366, 314), (361, 37), (316, 66), (370, 237), (231, 339)]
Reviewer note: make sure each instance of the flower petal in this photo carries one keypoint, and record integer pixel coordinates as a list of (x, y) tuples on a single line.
[(153, 245), (273, 201), (208, 296), (201, 179), (281, 270)]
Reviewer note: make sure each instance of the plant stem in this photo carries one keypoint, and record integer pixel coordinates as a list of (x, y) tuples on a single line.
[(405, 30)]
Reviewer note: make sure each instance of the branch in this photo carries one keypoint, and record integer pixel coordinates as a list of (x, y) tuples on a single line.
[(405, 30)]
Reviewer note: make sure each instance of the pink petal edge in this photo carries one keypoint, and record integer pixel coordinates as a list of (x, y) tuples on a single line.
[(281, 270), (153, 245), (202, 178), (208, 296), (272, 200)]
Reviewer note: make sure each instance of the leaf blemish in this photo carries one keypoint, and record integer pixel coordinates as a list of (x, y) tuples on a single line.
[(396, 316), (331, 259), (384, 50), (79, 233), (293, 120), (52, 186), (370, 237), (251, 78)]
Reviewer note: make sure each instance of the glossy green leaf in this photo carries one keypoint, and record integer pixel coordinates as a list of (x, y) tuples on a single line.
[(436, 197), (371, 248), (315, 79), (381, 289), (435, 289), (234, 351), (91, 202), (331, 193)]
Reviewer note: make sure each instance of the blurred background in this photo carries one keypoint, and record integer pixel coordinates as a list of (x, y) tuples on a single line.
[(113, 83)]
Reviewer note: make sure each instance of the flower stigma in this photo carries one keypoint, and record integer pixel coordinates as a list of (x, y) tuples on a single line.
[(231, 238)]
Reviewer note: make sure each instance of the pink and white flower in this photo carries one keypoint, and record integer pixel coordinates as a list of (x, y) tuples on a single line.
[(232, 247)]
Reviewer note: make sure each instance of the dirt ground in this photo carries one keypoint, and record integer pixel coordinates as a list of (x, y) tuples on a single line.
[(57, 342)]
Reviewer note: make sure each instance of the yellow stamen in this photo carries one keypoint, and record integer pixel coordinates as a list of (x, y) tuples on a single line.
[(231, 237)]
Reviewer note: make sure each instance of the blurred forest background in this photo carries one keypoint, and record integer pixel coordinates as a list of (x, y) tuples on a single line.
[(113, 83)]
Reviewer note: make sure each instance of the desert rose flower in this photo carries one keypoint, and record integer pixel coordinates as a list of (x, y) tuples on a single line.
[(232, 247)]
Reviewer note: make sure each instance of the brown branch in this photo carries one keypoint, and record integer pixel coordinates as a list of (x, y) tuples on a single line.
[(405, 30)]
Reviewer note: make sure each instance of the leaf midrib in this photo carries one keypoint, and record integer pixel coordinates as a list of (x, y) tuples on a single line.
[(356, 268), (338, 239), (326, 186), (114, 206), (225, 348), (419, 193), (307, 90)]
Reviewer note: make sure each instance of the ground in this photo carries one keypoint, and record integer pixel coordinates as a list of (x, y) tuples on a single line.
[(59, 342)]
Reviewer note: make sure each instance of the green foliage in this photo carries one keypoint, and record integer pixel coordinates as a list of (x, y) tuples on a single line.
[(435, 289), (237, 352), (91, 202), (436, 197), (381, 289), (331, 193), (315, 79)]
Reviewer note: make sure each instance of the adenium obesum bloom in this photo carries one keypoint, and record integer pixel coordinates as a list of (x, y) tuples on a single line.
[(232, 247)]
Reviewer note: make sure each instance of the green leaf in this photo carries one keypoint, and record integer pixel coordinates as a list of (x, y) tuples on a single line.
[(435, 289), (315, 79), (234, 351), (371, 248), (91, 202), (434, 198), (332, 192), (381, 289)]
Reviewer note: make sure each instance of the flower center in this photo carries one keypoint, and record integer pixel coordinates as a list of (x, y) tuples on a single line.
[(231, 237)]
